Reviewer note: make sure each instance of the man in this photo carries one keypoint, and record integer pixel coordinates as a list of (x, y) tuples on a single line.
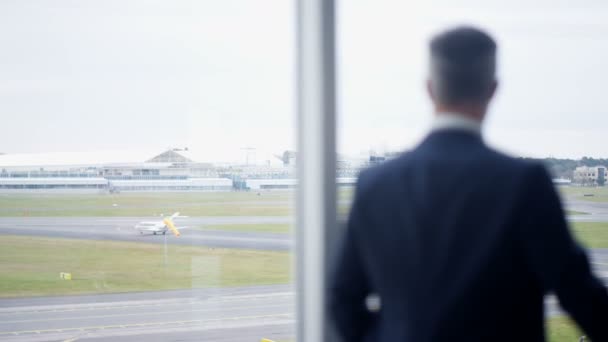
[(458, 241)]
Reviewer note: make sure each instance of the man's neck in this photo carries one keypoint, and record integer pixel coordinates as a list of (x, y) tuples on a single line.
[(469, 111), (456, 121)]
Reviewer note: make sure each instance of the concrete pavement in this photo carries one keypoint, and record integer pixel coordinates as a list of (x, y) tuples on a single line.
[(222, 314)]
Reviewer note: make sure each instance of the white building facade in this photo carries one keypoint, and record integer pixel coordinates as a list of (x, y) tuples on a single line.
[(590, 175)]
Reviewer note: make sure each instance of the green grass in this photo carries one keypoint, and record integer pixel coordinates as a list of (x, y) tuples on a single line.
[(574, 212), (31, 266), (562, 329), (251, 228), (346, 193), (600, 194), (591, 234), (278, 203), (148, 204)]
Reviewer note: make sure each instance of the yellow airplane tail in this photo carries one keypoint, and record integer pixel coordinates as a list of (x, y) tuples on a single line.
[(171, 226)]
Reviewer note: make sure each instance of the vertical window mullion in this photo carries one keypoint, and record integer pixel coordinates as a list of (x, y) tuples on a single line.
[(316, 196)]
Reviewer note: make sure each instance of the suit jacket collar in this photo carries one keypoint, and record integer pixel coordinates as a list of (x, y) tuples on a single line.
[(449, 137), (455, 121)]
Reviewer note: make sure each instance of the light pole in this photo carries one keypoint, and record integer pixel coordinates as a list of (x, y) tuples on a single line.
[(165, 248)]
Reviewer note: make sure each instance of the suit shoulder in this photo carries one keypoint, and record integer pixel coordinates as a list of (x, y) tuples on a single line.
[(521, 164), (376, 175), (520, 172)]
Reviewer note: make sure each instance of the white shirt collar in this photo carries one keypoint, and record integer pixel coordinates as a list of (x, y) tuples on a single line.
[(455, 121)]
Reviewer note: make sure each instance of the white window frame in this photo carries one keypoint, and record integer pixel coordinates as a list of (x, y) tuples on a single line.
[(316, 196)]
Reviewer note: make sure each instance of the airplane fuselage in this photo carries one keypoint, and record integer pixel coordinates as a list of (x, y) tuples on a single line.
[(152, 227), (162, 226)]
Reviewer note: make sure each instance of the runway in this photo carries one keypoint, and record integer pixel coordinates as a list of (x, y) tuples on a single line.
[(223, 314), (122, 229), (591, 208), (594, 211)]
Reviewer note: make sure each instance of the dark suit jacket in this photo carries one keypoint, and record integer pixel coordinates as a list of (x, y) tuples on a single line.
[(461, 243)]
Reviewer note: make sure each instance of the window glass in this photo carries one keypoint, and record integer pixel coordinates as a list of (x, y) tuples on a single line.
[(147, 169), (549, 105)]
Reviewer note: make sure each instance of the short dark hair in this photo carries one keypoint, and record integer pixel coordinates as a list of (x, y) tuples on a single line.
[(463, 65)]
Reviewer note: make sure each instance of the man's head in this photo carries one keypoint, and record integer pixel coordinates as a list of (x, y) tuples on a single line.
[(462, 71)]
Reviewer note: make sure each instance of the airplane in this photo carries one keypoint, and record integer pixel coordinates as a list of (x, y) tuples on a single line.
[(160, 226)]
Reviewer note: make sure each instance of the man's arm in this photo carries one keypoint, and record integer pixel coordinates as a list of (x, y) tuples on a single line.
[(350, 285), (560, 264)]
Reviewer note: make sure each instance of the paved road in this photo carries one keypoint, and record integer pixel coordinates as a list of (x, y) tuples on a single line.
[(586, 206), (228, 314), (121, 229), (595, 212)]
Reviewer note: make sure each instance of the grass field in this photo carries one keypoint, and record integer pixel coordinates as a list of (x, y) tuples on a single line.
[(591, 234), (279, 203), (574, 212), (148, 204), (562, 329), (31, 266), (594, 194)]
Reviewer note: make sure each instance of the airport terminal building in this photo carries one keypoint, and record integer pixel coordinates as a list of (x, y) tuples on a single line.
[(173, 170)]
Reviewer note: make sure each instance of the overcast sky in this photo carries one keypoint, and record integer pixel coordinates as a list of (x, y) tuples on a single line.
[(218, 76)]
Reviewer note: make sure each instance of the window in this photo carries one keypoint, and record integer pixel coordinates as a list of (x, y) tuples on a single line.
[(551, 65), (128, 119), (125, 113)]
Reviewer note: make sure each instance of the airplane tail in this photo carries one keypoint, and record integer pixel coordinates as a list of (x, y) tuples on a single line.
[(169, 223), (171, 227)]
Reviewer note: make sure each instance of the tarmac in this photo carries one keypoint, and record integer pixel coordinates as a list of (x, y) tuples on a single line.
[(122, 229), (219, 314)]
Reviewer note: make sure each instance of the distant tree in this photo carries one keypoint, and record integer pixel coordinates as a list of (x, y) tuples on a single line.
[(600, 178)]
